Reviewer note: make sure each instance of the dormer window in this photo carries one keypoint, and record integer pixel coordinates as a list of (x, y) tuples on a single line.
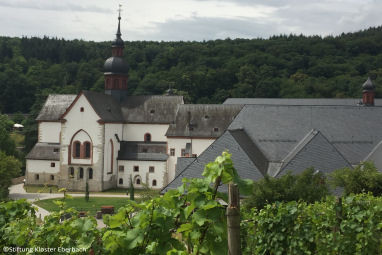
[(81, 109)]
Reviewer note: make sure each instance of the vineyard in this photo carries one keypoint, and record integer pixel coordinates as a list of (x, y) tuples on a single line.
[(190, 220)]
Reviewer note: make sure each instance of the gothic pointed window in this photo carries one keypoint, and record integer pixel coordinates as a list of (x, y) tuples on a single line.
[(87, 149), (90, 172), (76, 149)]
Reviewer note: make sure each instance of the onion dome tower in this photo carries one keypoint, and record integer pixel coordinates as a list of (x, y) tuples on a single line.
[(116, 69), (368, 93)]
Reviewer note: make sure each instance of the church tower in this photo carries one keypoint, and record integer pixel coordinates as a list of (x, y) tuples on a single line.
[(116, 69), (368, 93)]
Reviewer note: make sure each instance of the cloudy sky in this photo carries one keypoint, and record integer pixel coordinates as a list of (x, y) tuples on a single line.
[(174, 20)]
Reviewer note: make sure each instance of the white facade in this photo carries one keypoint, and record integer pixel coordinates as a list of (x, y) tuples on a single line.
[(49, 132), (136, 132), (198, 146), (43, 166), (154, 179)]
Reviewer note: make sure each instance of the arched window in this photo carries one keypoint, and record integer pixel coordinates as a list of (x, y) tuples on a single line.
[(81, 173), (154, 183), (138, 181), (71, 172), (76, 149), (90, 171), (120, 181), (87, 149), (147, 137)]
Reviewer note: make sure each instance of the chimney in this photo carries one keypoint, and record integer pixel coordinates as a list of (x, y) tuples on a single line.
[(368, 93)]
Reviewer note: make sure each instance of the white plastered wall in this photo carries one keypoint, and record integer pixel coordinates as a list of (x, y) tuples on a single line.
[(110, 131), (49, 132), (136, 132), (146, 176), (198, 146), (42, 166), (87, 122)]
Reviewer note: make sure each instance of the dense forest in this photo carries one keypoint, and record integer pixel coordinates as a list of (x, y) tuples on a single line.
[(204, 72)]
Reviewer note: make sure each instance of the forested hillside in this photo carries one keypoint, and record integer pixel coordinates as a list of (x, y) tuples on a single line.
[(204, 72)]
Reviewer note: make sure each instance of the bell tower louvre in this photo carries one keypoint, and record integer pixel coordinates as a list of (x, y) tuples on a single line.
[(116, 69)]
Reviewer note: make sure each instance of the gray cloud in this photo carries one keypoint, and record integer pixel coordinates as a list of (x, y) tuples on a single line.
[(53, 6), (200, 28)]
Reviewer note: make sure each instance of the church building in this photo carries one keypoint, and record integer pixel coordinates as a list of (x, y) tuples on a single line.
[(111, 139)]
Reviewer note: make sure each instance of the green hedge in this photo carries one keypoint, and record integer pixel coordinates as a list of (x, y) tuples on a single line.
[(352, 225)]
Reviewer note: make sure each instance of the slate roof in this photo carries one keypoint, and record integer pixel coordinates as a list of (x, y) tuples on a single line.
[(182, 162), (150, 151), (276, 129), (202, 120), (45, 151), (241, 160), (300, 101), (150, 109), (54, 107), (107, 108), (314, 150)]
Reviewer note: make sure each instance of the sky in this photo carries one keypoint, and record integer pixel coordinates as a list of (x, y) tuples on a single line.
[(185, 20)]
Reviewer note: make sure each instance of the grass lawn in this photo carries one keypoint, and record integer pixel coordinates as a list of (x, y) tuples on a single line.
[(80, 204)]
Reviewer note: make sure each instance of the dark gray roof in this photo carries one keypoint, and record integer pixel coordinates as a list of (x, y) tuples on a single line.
[(55, 106), (183, 162), (241, 161), (314, 150), (300, 101), (276, 129), (368, 85), (205, 120), (107, 108), (115, 65), (150, 109), (45, 151), (146, 151)]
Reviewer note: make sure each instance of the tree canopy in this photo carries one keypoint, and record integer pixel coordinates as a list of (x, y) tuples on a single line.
[(204, 72)]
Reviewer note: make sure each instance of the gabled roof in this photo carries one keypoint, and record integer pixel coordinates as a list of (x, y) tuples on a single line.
[(150, 151), (55, 105), (276, 129), (241, 160), (375, 156), (202, 120), (150, 109), (300, 101), (314, 150), (106, 107), (182, 163), (45, 151)]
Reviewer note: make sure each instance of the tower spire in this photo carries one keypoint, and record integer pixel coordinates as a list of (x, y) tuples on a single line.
[(119, 22)]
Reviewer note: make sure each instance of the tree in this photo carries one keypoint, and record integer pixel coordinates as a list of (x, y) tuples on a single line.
[(308, 186), (131, 189), (362, 179), (9, 168), (87, 192)]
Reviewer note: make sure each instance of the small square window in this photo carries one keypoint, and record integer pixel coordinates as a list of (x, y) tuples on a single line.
[(52, 164), (183, 152), (216, 129), (144, 150), (81, 109), (121, 168), (56, 150), (136, 168), (151, 169), (172, 152)]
